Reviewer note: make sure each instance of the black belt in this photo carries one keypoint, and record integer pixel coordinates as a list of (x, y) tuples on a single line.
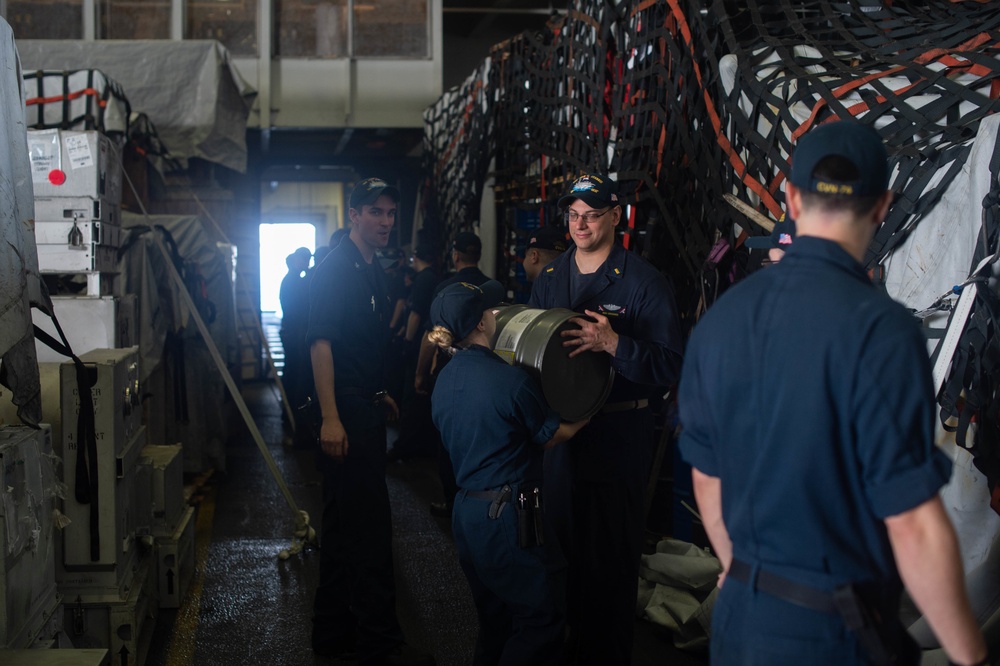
[(498, 499), (782, 588), (483, 494)]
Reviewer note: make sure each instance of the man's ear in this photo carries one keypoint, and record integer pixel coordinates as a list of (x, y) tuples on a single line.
[(882, 208), (793, 201), (531, 256)]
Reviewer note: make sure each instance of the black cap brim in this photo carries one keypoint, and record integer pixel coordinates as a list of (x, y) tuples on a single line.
[(592, 199)]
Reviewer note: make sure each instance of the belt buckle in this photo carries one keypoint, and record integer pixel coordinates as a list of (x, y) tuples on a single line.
[(379, 397)]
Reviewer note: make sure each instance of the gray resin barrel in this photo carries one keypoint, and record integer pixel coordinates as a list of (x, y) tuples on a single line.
[(575, 387)]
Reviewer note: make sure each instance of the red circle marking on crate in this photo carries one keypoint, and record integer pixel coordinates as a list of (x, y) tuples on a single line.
[(57, 176)]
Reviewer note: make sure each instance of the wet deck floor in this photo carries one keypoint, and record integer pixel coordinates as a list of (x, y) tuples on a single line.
[(246, 606)]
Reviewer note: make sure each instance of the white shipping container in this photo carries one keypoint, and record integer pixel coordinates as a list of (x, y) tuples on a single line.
[(67, 163), (59, 233), (167, 486), (89, 323), (51, 209), (175, 562), (124, 627), (87, 259), (27, 535), (118, 509), (60, 657), (120, 438)]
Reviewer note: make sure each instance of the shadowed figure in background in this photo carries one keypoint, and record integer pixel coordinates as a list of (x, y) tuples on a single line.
[(294, 298)]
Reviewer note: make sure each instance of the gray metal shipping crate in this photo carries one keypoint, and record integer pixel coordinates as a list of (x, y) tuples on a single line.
[(175, 562), (125, 627), (66, 163), (110, 575), (27, 534), (167, 487)]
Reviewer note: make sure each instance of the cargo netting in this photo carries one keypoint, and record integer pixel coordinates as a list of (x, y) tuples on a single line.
[(84, 99), (688, 101)]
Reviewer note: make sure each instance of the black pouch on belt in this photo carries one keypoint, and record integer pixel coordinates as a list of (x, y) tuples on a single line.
[(884, 646), (530, 529), (525, 524), (499, 502)]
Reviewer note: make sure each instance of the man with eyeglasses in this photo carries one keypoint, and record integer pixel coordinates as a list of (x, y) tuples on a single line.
[(594, 486)]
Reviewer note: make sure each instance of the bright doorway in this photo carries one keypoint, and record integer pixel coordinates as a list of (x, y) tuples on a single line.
[(277, 241)]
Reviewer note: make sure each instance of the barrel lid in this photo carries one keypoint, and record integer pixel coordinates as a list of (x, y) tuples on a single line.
[(575, 387)]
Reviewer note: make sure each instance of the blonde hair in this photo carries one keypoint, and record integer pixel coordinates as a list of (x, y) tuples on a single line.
[(442, 337)]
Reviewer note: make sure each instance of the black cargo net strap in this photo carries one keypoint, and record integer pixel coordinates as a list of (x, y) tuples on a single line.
[(688, 103), (85, 482), (55, 88)]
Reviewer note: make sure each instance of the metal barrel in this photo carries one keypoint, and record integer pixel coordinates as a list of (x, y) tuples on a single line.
[(575, 388)]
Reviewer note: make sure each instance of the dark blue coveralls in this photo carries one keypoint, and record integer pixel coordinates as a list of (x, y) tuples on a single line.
[(808, 392), (594, 484), (356, 597), (446, 473), (493, 422)]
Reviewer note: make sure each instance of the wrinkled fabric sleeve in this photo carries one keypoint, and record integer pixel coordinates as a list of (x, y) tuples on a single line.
[(697, 439), (540, 421), (895, 408), (327, 303), (653, 353)]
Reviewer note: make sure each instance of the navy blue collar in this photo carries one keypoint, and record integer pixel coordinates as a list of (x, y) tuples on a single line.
[(353, 255), (827, 251), (482, 351)]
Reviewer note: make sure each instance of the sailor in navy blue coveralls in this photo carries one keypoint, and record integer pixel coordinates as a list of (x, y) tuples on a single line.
[(494, 423), (355, 603), (807, 413), (595, 485)]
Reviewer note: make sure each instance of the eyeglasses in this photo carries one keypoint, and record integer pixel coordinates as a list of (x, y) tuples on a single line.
[(590, 216)]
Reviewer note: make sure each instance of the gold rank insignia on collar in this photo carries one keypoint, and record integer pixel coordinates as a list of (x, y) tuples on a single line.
[(550, 269), (618, 271)]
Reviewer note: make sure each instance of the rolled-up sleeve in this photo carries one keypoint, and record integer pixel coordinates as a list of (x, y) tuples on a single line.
[(326, 305), (652, 354), (900, 464), (540, 421), (697, 438)]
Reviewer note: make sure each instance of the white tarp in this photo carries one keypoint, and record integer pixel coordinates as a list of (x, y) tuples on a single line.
[(20, 286), (190, 89), (938, 253)]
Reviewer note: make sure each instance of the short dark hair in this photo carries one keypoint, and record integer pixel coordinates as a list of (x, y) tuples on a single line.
[(838, 169)]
